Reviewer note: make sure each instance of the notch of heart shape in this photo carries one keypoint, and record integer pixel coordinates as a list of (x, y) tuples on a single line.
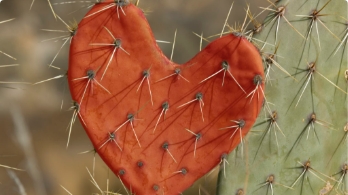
[(160, 126)]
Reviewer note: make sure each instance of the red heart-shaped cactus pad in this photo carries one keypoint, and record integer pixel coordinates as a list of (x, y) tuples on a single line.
[(160, 126)]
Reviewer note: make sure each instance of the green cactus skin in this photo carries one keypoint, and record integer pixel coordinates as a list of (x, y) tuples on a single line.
[(266, 168)]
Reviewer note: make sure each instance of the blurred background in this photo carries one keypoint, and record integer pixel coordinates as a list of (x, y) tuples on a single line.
[(33, 126)]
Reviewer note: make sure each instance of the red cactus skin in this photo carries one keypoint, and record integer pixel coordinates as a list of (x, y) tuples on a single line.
[(158, 148)]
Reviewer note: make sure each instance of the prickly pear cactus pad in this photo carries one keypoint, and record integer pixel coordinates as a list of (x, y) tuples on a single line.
[(158, 125), (298, 144)]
